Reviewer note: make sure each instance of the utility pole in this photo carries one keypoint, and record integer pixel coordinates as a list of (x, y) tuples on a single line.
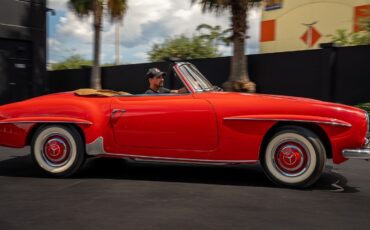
[(117, 45)]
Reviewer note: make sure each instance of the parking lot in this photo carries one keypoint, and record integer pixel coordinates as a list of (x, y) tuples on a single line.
[(114, 194)]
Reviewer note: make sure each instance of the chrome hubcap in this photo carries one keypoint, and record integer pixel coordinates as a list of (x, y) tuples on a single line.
[(291, 159), (56, 150)]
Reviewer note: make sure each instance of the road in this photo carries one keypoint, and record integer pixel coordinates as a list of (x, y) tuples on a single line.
[(114, 194)]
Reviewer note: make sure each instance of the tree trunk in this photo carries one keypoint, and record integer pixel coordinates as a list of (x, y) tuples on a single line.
[(239, 78), (95, 74)]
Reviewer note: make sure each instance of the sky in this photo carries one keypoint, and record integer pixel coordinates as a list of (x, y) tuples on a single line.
[(146, 22)]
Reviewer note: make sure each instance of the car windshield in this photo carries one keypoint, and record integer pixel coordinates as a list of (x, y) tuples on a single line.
[(195, 78)]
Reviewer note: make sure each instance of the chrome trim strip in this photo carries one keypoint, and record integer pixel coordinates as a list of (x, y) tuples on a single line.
[(179, 162), (183, 79), (271, 119), (64, 122), (363, 153), (96, 148), (367, 121)]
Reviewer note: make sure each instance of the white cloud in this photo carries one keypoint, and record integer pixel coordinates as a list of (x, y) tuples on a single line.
[(141, 55), (63, 20), (72, 26), (183, 14), (254, 31), (58, 5), (225, 50), (149, 10), (54, 44), (146, 22)]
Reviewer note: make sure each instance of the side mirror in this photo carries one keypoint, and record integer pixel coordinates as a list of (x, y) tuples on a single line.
[(218, 89)]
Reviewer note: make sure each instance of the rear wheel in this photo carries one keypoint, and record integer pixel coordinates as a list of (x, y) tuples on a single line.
[(294, 157), (58, 150)]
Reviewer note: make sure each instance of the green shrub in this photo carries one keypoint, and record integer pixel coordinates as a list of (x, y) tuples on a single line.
[(364, 106)]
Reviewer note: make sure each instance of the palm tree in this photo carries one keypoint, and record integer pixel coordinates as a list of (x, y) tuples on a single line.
[(215, 34), (116, 10), (239, 78)]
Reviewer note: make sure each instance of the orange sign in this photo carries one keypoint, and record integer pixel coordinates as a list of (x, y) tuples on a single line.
[(311, 36), (361, 12), (268, 31)]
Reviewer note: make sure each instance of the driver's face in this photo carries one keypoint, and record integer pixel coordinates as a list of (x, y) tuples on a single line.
[(157, 81)]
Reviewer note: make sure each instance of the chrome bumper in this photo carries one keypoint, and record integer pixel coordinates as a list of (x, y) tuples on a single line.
[(362, 153)]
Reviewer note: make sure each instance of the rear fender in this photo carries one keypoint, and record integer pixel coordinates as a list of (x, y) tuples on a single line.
[(14, 132), (33, 120)]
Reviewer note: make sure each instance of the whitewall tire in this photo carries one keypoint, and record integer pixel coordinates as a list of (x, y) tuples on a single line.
[(58, 150), (294, 157)]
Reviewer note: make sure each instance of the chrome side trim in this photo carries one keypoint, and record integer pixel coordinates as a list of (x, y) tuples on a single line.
[(96, 148), (180, 162), (363, 153), (40, 121), (271, 119)]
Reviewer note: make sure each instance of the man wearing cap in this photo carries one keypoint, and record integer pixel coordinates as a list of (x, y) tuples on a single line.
[(156, 81)]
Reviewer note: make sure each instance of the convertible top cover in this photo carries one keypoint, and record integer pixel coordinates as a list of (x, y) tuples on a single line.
[(100, 92)]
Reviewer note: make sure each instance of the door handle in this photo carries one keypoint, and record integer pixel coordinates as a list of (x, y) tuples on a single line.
[(114, 111), (118, 110), (12, 83)]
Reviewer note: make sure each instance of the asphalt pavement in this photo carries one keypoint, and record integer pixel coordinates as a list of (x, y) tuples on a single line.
[(115, 194)]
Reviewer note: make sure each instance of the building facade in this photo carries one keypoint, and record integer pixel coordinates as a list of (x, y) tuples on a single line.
[(22, 49), (289, 25)]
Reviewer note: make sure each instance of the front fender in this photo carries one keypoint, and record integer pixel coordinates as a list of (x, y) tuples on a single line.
[(341, 134)]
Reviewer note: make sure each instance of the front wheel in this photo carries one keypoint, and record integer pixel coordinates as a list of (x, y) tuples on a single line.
[(58, 150), (294, 157)]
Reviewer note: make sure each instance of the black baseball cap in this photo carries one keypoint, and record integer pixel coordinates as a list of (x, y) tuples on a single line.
[(155, 72)]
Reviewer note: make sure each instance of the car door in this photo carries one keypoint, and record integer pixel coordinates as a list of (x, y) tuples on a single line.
[(176, 122)]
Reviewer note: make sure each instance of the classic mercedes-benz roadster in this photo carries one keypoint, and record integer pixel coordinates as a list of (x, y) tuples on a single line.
[(290, 137)]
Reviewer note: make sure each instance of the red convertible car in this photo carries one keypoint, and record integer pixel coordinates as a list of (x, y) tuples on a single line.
[(290, 137)]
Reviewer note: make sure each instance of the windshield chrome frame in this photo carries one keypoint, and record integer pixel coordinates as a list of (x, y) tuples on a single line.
[(185, 79)]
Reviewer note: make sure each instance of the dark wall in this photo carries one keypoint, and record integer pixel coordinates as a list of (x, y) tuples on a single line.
[(352, 75), (302, 74), (4, 71), (330, 74), (215, 70), (23, 49), (68, 80)]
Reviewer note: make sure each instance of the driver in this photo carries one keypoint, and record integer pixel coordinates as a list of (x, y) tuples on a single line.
[(156, 81)]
